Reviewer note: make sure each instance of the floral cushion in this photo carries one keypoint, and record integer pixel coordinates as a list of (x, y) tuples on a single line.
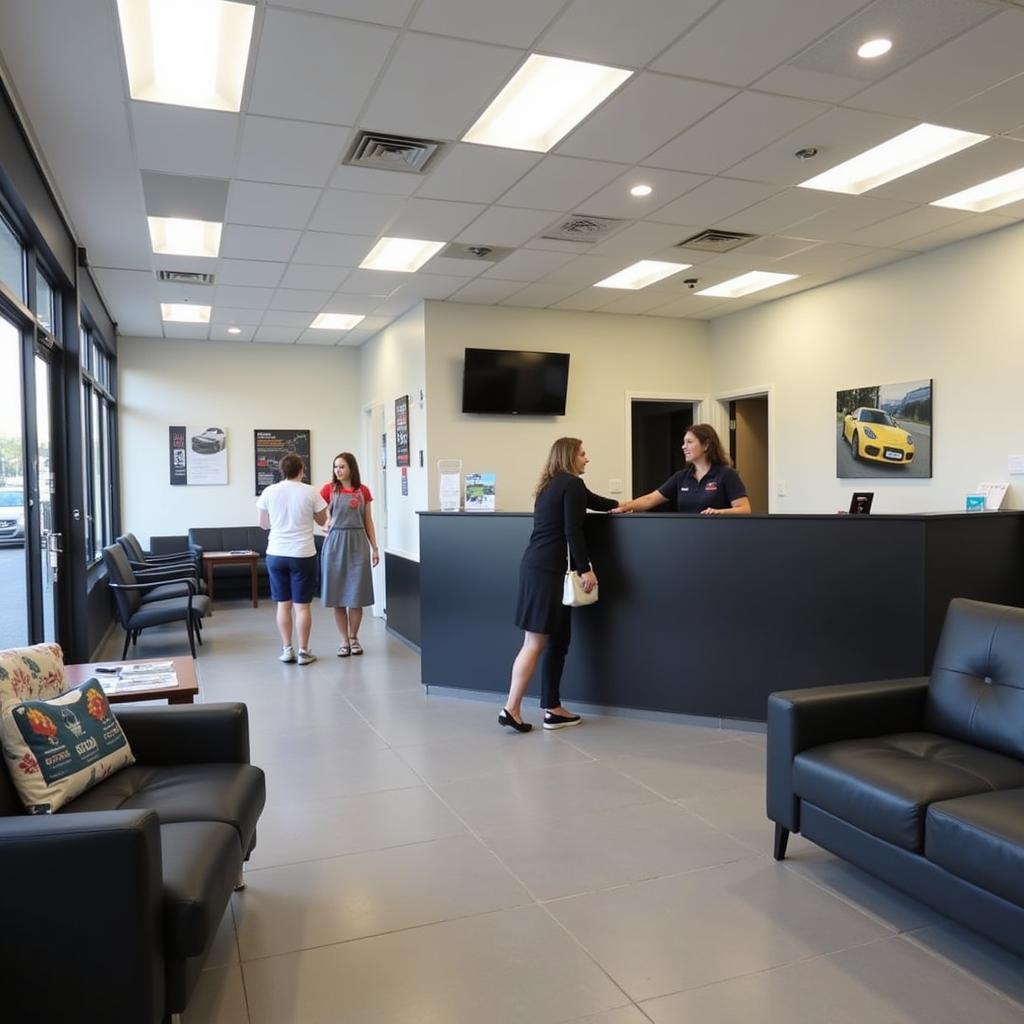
[(31, 673), (57, 749)]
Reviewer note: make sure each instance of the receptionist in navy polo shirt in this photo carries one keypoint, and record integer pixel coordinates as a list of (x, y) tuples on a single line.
[(708, 484)]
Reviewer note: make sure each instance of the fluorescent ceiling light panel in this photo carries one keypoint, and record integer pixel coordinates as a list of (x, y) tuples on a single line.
[(543, 101), (907, 152), (175, 236), (406, 255), (336, 321), (989, 195), (640, 275), (184, 313), (191, 53), (745, 284)]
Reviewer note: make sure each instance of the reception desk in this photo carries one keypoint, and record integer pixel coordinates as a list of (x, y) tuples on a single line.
[(708, 615)]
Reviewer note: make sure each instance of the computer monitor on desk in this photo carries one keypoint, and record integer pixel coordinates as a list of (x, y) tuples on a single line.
[(860, 502)]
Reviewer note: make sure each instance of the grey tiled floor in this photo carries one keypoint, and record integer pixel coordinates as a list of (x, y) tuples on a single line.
[(418, 865)]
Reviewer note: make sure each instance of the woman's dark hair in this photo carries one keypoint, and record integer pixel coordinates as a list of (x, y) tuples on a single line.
[(292, 466), (707, 435), (354, 480)]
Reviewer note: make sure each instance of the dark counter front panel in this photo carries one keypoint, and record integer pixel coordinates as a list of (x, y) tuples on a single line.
[(708, 615)]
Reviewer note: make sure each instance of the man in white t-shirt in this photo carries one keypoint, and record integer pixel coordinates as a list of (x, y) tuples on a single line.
[(289, 509)]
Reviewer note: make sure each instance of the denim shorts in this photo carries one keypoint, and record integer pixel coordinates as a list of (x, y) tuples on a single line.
[(292, 579)]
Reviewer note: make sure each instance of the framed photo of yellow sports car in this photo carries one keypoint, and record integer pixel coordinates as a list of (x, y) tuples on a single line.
[(885, 430)]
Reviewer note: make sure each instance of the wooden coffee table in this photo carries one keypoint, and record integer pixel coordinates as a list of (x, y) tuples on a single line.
[(212, 559), (184, 693)]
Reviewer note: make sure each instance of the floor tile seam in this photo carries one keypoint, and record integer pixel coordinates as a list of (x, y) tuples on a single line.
[(238, 953), (720, 828), (710, 742), (663, 796), (419, 926), (909, 937), (515, 770), (353, 796), (358, 853)]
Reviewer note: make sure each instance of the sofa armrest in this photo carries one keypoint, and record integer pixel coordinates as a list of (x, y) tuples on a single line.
[(101, 869), (801, 719), (187, 733)]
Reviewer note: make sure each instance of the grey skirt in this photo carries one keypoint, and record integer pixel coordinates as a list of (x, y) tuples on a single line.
[(345, 578)]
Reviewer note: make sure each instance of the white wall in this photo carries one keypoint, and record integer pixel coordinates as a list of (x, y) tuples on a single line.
[(610, 356), (392, 364), (955, 315), (240, 387)]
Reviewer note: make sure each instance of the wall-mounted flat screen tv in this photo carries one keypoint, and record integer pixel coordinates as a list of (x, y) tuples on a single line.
[(515, 383)]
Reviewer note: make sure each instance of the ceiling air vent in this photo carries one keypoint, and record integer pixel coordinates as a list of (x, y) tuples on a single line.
[(184, 277), (716, 241), (479, 253), (581, 228), (392, 152)]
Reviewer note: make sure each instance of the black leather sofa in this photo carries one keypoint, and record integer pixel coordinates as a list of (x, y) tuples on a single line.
[(112, 903), (918, 781), (232, 579)]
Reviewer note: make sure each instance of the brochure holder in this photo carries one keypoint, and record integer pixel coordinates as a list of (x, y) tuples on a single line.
[(449, 475)]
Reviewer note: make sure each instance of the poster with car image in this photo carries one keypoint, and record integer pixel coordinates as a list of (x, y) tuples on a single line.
[(271, 446), (198, 455), (885, 430)]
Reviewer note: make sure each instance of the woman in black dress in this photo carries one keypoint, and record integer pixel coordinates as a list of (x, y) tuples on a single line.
[(561, 505)]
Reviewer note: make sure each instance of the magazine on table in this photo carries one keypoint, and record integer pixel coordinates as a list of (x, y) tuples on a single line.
[(152, 675)]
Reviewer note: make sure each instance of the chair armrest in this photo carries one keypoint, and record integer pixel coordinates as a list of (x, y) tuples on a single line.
[(801, 719), (171, 574), (104, 868), (178, 556), (192, 586), (187, 733)]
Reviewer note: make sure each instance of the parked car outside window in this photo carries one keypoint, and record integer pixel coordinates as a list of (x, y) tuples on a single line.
[(12, 518)]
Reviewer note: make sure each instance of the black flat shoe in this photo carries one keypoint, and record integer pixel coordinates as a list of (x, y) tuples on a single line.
[(504, 718), (560, 721)]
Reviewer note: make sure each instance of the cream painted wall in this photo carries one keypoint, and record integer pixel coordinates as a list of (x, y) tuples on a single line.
[(610, 356), (393, 364), (240, 387), (955, 315)]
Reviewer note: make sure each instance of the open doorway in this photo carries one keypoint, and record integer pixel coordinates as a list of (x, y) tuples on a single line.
[(748, 446), (656, 429)]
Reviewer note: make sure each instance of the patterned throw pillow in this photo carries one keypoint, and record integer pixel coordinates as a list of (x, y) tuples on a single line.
[(57, 749), (31, 673)]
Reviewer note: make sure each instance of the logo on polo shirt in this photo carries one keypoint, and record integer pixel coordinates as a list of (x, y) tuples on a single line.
[(711, 486)]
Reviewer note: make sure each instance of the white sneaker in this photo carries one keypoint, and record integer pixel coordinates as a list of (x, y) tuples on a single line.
[(306, 657), (287, 655)]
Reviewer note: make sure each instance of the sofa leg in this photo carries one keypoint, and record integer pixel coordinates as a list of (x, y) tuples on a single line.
[(175, 1018), (781, 839), (240, 881)]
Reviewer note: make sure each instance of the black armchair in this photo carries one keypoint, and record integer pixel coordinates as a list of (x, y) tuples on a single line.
[(157, 598), (143, 561)]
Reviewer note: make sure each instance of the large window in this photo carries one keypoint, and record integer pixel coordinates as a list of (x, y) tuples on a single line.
[(12, 261), (98, 430)]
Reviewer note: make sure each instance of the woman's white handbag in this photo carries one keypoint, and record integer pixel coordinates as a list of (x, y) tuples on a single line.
[(573, 593)]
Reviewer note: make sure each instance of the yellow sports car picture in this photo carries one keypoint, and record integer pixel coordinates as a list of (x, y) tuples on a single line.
[(873, 434)]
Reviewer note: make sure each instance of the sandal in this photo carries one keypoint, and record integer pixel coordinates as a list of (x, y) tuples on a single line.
[(357, 647), (344, 650)]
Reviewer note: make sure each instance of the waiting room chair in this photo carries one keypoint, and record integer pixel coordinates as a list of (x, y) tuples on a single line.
[(163, 597), (143, 561)]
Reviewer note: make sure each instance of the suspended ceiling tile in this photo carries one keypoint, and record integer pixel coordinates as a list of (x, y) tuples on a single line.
[(187, 332), (584, 271), (509, 24), (308, 275), (242, 242), (257, 273), (850, 214), (219, 332), (991, 112), (383, 12), (435, 88), (332, 249), (969, 227), (272, 206), (316, 68), (228, 315), (289, 152), (183, 140), (707, 204), (133, 295), (367, 179), (276, 335), (624, 34), (527, 265), (584, 301), (299, 300), (506, 225), (642, 301), (359, 305), (432, 286), (356, 213), (540, 295), (741, 40), (779, 211), (561, 183), (614, 200), (735, 131), (241, 297), (320, 337), (809, 85), (373, 282), (433, 219), (286, 318), (486, 292), (642, 116), (639, 240), (475, 174), (456, 267)]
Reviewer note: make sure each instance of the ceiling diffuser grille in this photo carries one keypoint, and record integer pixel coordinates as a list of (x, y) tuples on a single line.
[(184, 277), (711, 240), (392, 152), (581, 228)]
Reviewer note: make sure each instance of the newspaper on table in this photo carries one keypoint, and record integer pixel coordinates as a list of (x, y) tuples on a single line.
[(150, 675)]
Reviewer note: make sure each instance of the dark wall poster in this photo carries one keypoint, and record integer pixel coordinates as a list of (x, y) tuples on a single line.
[(271, 446), (402, 431), (179, 471)]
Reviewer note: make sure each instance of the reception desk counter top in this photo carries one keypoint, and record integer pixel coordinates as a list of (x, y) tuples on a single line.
[(707, 615)]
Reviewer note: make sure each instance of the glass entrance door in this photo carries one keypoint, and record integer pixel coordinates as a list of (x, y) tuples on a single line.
[(49, 539), (14, 567)]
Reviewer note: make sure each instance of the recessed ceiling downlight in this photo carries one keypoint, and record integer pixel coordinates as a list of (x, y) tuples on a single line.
[(641, 190), (874, 48)]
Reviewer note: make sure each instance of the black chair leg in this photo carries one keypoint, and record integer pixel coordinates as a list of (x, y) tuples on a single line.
[(191, 635), (127, 639), (781, 839)]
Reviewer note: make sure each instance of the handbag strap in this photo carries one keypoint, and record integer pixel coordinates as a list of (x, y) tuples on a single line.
[(568, 560)]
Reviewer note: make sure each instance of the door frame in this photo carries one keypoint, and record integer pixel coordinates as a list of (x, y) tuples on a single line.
[(700, 403), (374, 426), (718, 417)]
